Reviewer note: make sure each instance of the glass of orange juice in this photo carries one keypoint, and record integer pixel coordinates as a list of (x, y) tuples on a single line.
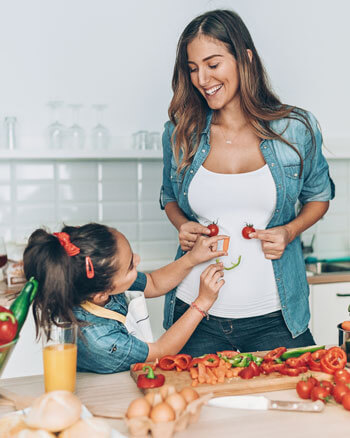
[(60, 357)]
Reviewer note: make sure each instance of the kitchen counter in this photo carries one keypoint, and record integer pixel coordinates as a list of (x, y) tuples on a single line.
[(339, 277), (113, 392)]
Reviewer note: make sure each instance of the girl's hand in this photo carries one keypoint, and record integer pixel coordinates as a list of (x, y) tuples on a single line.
[(211, 282), (189, 232), (204, 249), (273, 241)]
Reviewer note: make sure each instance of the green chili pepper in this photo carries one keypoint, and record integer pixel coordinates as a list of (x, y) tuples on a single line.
[(258, 360), (20, 306), (244, 362), (278, 360), (233, 265)]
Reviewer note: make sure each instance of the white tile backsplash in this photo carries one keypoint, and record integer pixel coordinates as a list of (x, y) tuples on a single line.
[(124, 194)]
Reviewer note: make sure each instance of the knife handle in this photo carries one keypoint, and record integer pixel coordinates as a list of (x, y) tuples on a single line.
[(297, 406)]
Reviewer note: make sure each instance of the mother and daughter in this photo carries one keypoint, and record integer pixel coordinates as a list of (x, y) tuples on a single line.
[(234, 152)]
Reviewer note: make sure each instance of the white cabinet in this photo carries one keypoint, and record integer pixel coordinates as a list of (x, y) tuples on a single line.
[(329, 306)]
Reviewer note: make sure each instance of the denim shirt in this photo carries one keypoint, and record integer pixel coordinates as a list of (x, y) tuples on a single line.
[(314, 184), (105, 346)]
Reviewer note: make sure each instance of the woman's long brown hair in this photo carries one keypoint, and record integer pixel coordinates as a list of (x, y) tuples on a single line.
[(188, 109)]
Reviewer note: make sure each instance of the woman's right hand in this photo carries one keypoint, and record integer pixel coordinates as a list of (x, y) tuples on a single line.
[(189, 232), (211, 281)]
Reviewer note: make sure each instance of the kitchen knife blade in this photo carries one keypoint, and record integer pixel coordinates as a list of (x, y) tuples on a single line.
[(262, 403)]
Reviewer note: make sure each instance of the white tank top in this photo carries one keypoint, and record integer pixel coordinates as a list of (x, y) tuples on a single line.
[(232, 200)]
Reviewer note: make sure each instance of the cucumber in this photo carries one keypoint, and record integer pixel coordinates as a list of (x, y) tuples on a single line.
[(296, 352)]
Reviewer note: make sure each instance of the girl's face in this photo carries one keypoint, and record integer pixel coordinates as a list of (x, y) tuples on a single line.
[(213, 71), (127, 262)]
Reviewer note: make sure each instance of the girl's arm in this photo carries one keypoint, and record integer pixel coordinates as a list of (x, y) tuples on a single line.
[(162, 280), (188, 230), (178, 334)]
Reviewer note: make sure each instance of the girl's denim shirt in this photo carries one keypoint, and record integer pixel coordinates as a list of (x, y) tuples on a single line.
[(314, 184), (104, 345)]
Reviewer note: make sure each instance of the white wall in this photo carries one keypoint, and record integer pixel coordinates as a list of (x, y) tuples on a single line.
[(122, 53)]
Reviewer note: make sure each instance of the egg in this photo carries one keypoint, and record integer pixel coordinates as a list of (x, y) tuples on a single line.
[(138, 408), (189, 394), (177, 402), (162, 413)]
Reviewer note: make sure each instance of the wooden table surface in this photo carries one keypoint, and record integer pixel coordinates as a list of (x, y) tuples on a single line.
[(112, 393)]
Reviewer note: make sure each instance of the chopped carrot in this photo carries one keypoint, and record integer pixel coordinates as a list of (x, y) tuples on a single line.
[(229, 373), (194, 373), (194, 382), (228, 365), (220, 374), (236, 371), (213, 378), (226, 244), (202, 375), (222, 363)]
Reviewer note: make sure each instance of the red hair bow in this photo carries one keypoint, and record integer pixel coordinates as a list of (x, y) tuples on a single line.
[(70, 248)]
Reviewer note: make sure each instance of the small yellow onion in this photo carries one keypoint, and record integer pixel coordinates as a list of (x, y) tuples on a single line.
[(162, 413)]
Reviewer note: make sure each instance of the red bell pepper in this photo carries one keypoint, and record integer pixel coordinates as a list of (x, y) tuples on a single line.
[(211, 360), (150, 380), (314, 361), (333, 360), (167, 362), (229, 354), (8, 326), (274, 354), (182, 361)]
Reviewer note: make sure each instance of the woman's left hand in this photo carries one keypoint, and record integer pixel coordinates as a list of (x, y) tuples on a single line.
[(273, 241)]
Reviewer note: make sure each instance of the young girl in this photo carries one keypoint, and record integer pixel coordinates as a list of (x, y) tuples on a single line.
[(94, 265)]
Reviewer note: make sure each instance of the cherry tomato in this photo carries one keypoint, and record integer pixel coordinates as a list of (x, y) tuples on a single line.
[(320, 393), (314, 381), (304, 388), (247, 230), (214, 229), (327, 384), (339, 391), (342, 376), (345, 325), (346, 401)]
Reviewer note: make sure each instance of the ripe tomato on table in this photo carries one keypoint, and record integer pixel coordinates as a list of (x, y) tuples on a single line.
[(304, 388), (247, 230), (320, 393), (339, 391), (346, 401), (342, 376)]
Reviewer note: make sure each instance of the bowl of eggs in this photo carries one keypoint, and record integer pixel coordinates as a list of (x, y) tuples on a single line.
[(164, 412)]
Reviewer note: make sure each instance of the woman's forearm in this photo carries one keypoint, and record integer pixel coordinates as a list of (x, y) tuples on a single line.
[(175, 214), (308, 215)]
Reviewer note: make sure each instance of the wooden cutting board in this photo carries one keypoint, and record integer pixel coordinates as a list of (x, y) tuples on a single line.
[(233, 385)]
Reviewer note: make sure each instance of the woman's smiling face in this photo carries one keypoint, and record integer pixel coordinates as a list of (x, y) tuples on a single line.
[(213, 71)]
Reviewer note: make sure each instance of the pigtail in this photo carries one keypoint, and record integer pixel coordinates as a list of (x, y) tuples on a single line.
[(46, 260)]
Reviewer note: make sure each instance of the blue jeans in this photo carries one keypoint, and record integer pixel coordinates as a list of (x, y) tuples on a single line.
[(257, 333)]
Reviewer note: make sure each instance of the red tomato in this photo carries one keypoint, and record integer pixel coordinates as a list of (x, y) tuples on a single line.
[(320, 393), (214, 229), (254, 367), (247, 230), (247, 373), (304, 388), (339, 391), (313, 380), (346, 401), (327, 384), (342, 376), (346, 325)]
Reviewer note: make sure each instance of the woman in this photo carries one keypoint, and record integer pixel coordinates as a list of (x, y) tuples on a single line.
[(233, 153)]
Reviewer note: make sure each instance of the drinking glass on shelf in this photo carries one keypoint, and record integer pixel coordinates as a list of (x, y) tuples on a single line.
[(3, 256), (154, 140), (75, 133), (100, 135), (141, 140), (60, 357), (56, 130)]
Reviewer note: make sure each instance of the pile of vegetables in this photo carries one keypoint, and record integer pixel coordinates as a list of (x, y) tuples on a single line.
[(12, 319), (215, 368), (336, 391)]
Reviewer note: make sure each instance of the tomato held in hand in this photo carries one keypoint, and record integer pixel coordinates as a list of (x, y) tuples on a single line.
[(247, 230), (345, 325), (214, 229)]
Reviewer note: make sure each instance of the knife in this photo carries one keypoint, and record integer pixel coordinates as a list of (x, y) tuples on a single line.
[(263, 403)]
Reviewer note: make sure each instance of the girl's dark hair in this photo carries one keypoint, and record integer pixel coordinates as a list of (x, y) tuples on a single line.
[(188, 109), (62, 279)]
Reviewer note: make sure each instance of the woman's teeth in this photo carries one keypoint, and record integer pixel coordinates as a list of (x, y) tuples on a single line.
[(213, 90)]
